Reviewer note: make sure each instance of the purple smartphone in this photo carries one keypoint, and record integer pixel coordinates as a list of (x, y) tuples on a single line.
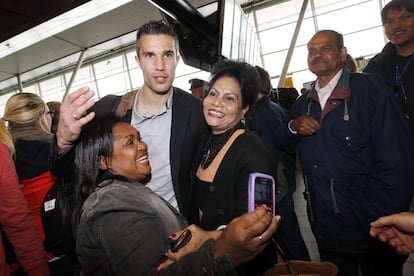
[(261, 191)]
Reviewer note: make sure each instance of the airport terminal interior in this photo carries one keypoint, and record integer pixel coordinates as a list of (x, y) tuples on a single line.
[(54, 47), (57, 47)]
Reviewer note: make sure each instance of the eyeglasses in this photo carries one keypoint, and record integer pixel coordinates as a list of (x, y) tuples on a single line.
[(51, 113)]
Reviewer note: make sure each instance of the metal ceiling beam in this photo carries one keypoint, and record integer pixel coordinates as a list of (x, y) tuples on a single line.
[(260, 4), (292, 44)]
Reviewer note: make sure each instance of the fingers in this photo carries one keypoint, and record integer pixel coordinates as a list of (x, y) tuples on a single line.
[(79, 102), (73, 116), (164, 265), (306, 125), (267, 235), (261, 227), (259, 219), (398, 245)]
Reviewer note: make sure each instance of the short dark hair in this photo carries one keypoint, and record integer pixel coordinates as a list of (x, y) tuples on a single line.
[(265, 83), (397, 5), (244, 73), (156, 28), (338, 36)]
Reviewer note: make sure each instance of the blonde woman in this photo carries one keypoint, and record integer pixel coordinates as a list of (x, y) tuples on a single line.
[(16, 221), (29, 121)]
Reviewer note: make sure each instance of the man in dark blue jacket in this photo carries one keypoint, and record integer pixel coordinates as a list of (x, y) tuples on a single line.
[(355, 156), (264, 119)]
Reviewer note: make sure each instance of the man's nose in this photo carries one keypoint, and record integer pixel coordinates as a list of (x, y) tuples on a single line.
[(159, 63)]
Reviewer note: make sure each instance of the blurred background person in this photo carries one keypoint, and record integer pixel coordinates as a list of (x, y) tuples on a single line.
[(16, 221), (350, 63), (29, 121), (395, 63), (264, 119), (198, 87), (54, 108)]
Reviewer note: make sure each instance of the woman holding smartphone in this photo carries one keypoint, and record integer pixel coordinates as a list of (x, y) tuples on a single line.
[(123, 228)]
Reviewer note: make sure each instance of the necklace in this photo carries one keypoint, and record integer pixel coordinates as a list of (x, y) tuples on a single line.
[(214, 144)]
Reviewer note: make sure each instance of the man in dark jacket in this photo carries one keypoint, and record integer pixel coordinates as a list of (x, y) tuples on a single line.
[(264, 119), (169, 120), (355, 157), (396, 61)]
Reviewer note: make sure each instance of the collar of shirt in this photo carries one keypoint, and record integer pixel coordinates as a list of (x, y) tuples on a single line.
[(325, 92), (140, 118)]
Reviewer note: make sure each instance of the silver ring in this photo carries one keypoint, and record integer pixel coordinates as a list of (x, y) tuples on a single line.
[(75, 116), (260, 237)]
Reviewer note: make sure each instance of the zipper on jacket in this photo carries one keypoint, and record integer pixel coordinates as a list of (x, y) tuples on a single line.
[(307, 196), (336, 209)]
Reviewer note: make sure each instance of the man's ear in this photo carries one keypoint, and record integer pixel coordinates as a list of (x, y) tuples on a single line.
[(245, 110), (138, 61), (103, 165), (344, 52)]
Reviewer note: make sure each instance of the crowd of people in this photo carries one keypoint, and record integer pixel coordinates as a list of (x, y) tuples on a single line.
[(136, 171)]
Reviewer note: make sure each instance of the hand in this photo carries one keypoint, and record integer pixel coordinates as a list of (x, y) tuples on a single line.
[(198, 238), (247, 235), (72, 116), (305, 125), (396, 230)]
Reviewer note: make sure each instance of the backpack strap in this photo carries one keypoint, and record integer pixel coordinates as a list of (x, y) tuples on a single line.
[(127, 100)]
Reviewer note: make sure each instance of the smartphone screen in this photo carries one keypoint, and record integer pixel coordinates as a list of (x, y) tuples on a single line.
[(261, 191)]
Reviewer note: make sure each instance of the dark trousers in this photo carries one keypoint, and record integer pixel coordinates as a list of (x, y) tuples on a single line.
[(288, 233), (380, 260)]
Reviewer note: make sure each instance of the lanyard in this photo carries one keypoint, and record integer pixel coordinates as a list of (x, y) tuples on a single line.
[(398, 75)]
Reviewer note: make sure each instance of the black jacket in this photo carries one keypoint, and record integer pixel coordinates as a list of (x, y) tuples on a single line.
[(384, 65)]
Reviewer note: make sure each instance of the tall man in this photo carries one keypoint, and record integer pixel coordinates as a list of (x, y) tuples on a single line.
[(396, 61), (355, 159), (170, 120)]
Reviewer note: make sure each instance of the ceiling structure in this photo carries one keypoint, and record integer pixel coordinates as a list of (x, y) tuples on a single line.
[(19, 16), (61, 46), (68, 43)]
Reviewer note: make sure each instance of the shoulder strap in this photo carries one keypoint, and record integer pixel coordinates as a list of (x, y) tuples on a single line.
[(127, 100)]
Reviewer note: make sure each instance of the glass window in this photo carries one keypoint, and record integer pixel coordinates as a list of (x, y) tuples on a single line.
[(280, 38), (114, 84), (184, 73), (352, 18), (299, 60), (84, 77), (136, 77), (365, 43), (273, 63), (53, 89), (324, 6), (108, 67), (32, 88), (3, 101), (280, 14)]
